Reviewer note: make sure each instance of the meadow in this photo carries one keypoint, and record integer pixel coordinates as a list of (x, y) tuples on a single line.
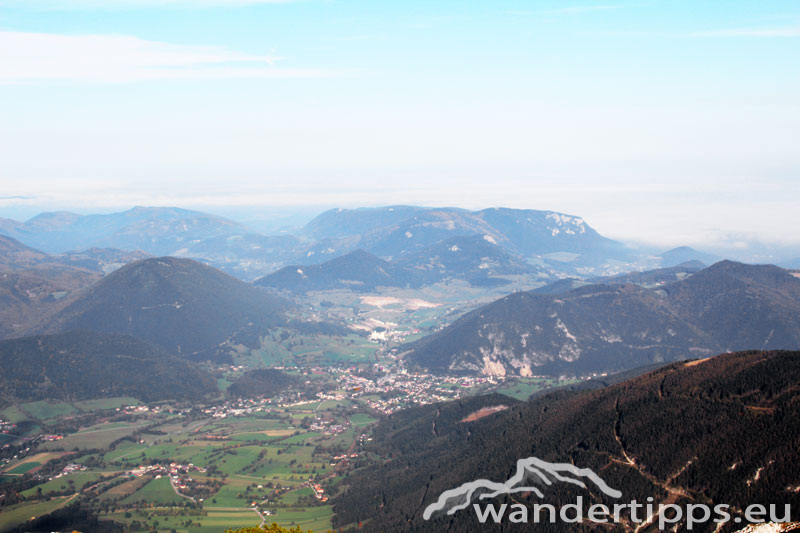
[(243, 469)]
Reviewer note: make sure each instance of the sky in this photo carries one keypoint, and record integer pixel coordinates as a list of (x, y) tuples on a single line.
[(669, 122)]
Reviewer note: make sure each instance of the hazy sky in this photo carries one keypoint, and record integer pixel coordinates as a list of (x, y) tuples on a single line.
[(665, 121)]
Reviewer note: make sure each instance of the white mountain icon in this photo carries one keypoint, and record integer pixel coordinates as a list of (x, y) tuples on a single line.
[(528, 469)]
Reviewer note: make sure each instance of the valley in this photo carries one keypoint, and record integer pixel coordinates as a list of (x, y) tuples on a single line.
[(317, 266), (230, 462), (223, 461), (163, 394)]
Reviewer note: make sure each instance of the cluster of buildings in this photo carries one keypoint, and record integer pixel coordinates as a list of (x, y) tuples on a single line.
[(391, 335), (138, 409), (246, 406), (237, 407), (173, 469), (148, 469), (6, 426), (70, 468), (327, 426), (318, 492), (343, 457), (397, 388), (6, 460)]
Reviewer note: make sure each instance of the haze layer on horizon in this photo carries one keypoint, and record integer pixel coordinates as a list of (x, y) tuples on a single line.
[(662, 122)]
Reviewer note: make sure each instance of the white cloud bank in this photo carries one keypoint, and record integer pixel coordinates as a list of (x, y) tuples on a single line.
[(37, 57)]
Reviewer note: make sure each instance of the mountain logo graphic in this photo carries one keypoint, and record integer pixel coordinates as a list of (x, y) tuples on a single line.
[(528, 470)]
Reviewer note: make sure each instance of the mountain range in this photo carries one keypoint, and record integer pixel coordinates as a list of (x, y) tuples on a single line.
[(551, 241), (158, 231), (645, 278), (15, 256), (684, 254), (604, 327), (560, 241), (474, 259)]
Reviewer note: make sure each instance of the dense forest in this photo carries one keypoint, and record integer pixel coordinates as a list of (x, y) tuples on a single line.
[(83, 365), (722, 430), (261, 382), (181, 305)]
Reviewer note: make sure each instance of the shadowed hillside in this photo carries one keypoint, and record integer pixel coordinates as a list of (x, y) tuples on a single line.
[(722, 430), (82, 365), (183, 306), (606, 328)]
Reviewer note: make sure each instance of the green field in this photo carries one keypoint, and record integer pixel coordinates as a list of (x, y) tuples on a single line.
[(23, 468), (306, 350), (18, 514), (43, 410), (211, 521), (125, 450), (249, 437), (14, 414), (158, 491), (265, 457), (522, 388), (290, 498), (94, 437), (360, 419), (314, 518), (129, 486), (280, 458), (105, 403), (46, 410), (77, 479)]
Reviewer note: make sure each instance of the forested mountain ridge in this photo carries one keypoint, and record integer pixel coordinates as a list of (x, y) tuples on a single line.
[(472, 259), (261, 382), (357, 271), (720, 430), (181, 305), (82, 365), (605, 328), (478, 259)]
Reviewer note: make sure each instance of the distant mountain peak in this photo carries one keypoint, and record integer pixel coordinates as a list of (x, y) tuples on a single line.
[(682, 254), (357, 270), (180, 304)]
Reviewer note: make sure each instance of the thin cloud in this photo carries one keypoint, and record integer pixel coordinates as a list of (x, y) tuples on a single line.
[(38, 57), (62, 5), (363, 37), (575, 10), (571, 10), (750, 32)]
